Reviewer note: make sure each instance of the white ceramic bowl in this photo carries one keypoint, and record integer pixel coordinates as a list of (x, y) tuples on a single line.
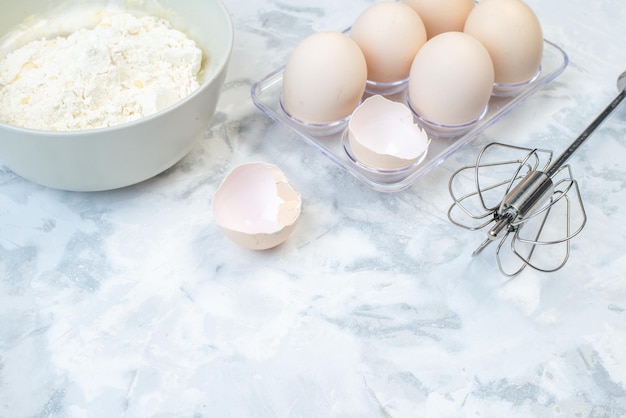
[(109, 158)]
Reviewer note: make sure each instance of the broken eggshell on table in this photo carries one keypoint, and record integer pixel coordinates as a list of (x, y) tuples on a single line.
[(256, 206)]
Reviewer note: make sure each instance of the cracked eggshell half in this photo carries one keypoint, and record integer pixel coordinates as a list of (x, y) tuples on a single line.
[(383, 135), (256, 206)]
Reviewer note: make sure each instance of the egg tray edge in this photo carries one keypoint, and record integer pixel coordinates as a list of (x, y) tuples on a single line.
[(266, 92)]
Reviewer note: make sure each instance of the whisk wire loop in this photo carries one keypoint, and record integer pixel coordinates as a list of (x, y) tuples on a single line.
[(519, 219), (533, 195)]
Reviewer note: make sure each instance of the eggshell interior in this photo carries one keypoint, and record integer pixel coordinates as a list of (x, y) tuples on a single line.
[(256, 206), (382, 135)]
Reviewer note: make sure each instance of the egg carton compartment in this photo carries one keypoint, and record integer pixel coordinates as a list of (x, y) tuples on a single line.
[(266, 95)]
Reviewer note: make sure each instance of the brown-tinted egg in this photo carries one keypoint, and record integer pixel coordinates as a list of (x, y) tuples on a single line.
[(512, 34), (441, 16), (451, 79), (389, 33), (324, 78)]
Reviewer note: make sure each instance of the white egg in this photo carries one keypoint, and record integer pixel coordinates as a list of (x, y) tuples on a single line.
[(512, 34), (324, 78), (451, 80), (383, 135), (441, 16), (389, 33), (256, 206)]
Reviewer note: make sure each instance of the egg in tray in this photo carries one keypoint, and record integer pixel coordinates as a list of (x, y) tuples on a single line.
[(389, 105)]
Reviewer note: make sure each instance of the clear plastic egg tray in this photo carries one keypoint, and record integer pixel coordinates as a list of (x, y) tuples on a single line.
[(266, 96)]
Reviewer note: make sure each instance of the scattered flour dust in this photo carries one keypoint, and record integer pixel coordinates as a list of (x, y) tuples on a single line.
[(124, 68)]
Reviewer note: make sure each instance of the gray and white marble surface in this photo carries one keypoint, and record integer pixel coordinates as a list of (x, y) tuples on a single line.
[(131, 303)]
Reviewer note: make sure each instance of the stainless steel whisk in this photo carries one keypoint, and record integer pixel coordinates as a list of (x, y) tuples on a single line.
[(522, 198)]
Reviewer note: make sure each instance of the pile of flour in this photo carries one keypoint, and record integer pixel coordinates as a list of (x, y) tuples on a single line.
[(124, 68)]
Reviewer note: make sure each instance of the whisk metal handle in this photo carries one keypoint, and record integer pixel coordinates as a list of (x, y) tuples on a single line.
[(528, 195), (561, 159)]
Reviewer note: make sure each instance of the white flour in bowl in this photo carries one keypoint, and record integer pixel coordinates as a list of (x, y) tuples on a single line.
[(124, 68)]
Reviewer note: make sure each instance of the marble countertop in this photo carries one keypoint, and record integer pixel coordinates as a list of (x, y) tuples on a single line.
[(131, 303)]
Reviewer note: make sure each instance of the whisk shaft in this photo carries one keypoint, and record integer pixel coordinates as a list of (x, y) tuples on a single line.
[(529, 194), (530, 197), (561, 159), (537, 187)]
